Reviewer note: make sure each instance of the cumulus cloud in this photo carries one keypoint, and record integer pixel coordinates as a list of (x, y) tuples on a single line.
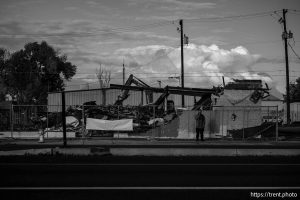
[(204, 65)]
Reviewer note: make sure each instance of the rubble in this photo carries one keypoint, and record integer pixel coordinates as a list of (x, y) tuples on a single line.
[(144, 117)]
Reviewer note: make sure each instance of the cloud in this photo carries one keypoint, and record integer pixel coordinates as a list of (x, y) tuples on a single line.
[(224, 30), (92, 3), (171, 5), (186, 5), (16, 33), (71, 8), (204, 65), (72, 35), (278, 60)]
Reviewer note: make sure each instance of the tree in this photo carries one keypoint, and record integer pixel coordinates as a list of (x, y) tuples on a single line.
[(35, 70), (4, 55), (295, 90), (103, 77)]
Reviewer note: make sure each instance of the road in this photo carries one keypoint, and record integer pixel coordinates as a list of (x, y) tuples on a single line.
[(184, 177)]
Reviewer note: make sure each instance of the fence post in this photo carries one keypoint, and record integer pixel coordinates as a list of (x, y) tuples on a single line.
[(276, 123), (12, 120), (210, 113), (243, 123), (103, 96), (188, 117), (222, 119), (228, 121), (118, 119), (153, 125), (83, 125), (63, 115), (47, 109)]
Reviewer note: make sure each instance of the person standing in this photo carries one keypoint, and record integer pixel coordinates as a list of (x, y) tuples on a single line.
[(200, 125)]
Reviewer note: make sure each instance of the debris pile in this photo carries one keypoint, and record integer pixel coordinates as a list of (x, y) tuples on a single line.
[(144, 117)]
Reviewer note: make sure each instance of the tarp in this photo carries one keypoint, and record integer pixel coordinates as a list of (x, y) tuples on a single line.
[(109, 125)]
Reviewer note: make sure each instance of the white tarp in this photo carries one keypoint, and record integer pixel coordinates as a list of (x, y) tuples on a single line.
[(109, 125)]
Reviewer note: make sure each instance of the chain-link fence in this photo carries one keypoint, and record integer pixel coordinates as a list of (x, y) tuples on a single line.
[(153, 122), (237, 123), (5, 112), (27, 121)]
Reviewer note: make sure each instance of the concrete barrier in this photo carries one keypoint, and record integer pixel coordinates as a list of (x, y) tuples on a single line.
[(202, 152), (23, 152), (81, 151), (35, 134), (171, 152), (131, 151), (268, 152)]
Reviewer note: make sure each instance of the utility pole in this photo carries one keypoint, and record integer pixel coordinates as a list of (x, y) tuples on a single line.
[(285, 37), (123, 72), (182, 60)]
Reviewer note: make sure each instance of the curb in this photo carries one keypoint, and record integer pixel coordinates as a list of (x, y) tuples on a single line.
[(202, 152), (58, 151), (119, 151)]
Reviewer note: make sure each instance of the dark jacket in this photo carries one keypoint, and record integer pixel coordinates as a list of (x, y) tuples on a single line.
[(200, 120)]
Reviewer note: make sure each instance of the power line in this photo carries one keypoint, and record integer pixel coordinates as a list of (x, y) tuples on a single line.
[(294, 50), (139, 27), (190, 72), (293, 10), (248, 43), (233, 17), (236, 75), (95, 33)]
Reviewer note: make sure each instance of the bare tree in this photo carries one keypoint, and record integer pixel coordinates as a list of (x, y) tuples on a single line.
[(103, 76)]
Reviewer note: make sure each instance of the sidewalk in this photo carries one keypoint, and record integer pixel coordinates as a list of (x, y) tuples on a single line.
[(144, 147)]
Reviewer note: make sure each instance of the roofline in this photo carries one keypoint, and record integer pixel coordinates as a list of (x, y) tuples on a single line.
[(85, 90)]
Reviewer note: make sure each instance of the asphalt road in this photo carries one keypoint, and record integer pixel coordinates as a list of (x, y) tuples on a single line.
[(146, 177), (149, 175)]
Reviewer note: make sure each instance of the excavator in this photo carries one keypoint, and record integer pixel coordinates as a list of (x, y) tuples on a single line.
[(205, 94), (138, 82)]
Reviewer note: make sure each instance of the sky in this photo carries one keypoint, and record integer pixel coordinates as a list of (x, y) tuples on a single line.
[(231, 38)]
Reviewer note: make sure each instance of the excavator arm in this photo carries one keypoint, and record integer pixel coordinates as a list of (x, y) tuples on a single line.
[(138, 82), (125, 93)]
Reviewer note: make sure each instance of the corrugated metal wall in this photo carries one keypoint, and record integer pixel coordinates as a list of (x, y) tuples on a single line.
[(111, 95)]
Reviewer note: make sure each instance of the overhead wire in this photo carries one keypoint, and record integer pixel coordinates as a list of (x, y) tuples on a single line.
[(110, 30), (97, 32), (237, 75), (294, 51), (233, 17), (190, 72), (153, 25)]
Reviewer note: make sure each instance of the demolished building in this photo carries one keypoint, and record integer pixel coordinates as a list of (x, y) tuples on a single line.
[(157, 112)]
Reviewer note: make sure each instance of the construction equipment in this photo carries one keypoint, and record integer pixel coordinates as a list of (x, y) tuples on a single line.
[(137, 82), (159, 104), (260, 93), (205, 100), (204, 93)]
